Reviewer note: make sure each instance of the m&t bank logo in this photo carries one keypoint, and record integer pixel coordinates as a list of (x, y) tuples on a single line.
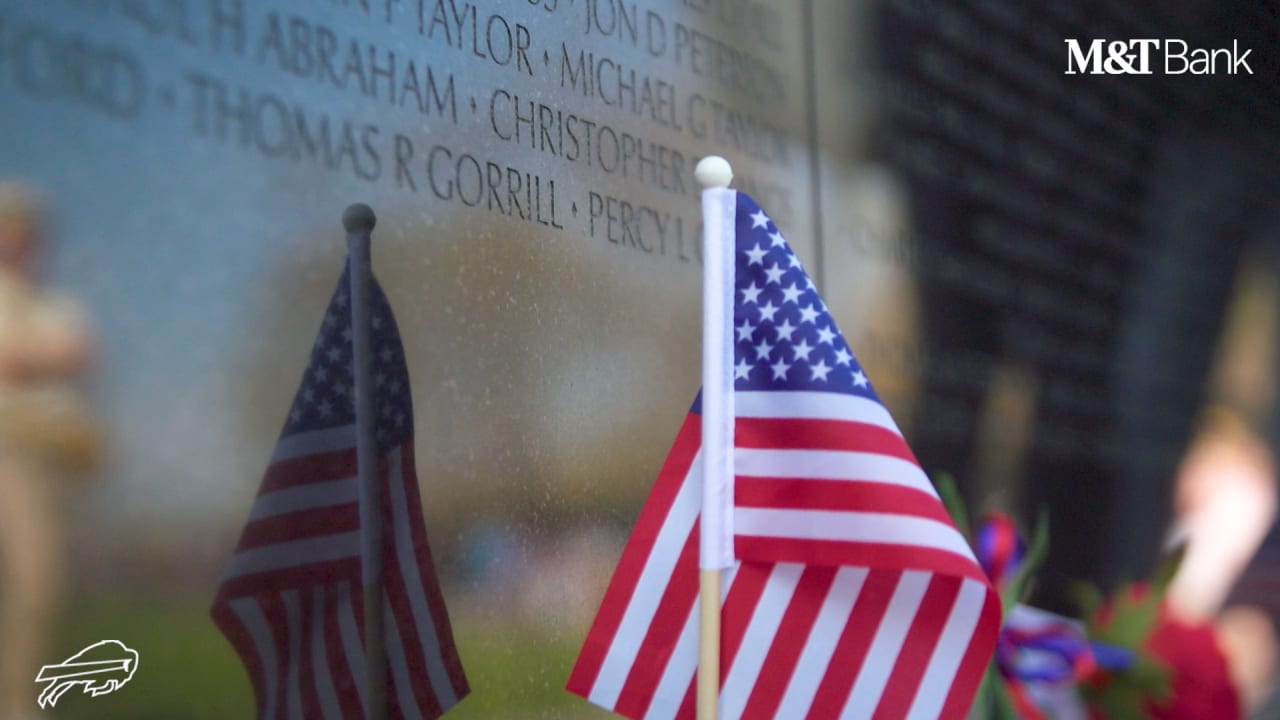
[(1135, 56)]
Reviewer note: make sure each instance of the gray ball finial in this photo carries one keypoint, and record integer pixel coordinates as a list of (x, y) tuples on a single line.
[(359, 218)]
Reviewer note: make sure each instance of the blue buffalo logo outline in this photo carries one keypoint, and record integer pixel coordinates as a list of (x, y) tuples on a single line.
[(103, 667)]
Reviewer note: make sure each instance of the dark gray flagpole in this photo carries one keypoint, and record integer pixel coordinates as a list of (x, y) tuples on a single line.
[(359, 221)]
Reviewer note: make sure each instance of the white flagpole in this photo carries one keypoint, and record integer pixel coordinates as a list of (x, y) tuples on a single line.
[(716, 538), (359, 221)]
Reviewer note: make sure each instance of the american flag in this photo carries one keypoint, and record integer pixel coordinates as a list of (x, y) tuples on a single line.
[(291, 601), (854, 595)]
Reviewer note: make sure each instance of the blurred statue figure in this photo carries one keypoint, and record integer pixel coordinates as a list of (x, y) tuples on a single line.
[(48, 437)]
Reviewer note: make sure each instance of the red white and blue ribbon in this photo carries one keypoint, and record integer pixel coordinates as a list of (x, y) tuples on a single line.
[(1037, 651)]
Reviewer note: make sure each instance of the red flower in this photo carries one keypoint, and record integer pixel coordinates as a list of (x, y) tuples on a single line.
[(1201, 684), (1198, 684)]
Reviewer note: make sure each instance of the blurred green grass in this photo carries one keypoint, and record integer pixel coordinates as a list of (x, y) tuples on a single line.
[(188, 671)]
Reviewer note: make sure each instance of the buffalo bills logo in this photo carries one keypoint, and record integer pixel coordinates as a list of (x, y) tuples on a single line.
[(101, 668)]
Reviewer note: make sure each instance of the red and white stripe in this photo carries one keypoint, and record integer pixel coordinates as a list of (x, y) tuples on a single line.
[(823, 617), (827, 478), (291, 601)]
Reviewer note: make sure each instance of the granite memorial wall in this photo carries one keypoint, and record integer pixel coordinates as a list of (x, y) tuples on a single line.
[(531, 164)]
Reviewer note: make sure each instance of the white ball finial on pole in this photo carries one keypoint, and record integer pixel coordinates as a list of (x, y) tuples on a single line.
[(713, 171)]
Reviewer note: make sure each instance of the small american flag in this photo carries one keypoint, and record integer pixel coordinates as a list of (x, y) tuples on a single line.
[(290, 600), (854, 595)]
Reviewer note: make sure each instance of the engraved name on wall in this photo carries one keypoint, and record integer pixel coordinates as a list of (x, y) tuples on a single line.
[(582, 117)]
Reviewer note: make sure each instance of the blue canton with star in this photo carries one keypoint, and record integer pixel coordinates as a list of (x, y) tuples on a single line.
[(784, 337), (326, 397)]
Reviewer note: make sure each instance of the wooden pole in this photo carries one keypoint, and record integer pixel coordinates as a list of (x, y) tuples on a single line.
[(709, 644), (359, 221)]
